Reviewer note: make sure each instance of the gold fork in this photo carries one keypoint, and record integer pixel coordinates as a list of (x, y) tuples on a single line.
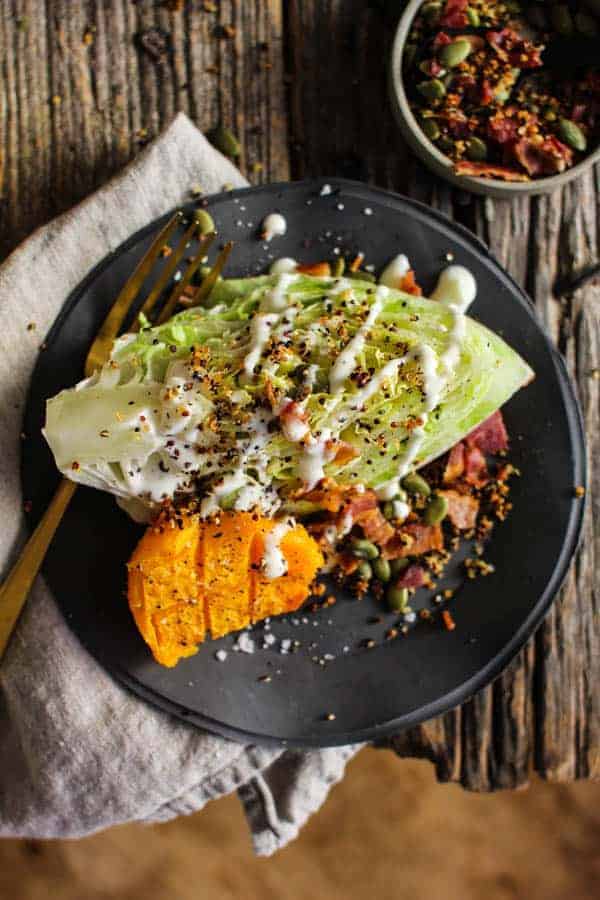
[(15, 589)]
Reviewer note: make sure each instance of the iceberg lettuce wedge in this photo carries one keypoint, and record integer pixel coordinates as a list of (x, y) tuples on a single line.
[(250, 399)]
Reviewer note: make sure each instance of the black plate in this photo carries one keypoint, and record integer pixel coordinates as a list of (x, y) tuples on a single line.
[(371, 691)]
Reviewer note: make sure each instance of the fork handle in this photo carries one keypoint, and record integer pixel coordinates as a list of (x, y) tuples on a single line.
[(15, 589)]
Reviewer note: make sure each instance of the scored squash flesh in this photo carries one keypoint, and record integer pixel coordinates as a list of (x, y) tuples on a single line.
[(189, 580)]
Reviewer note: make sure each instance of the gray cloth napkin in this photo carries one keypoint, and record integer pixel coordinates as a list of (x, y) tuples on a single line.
[(79, 752)]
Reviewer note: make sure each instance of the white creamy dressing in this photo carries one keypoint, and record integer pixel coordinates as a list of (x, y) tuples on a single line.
[(310, 376), (274, 563), (317, 453), (457, 287), (274, 225), (346, 360), (271, 310), (395, 271), (400, 509), (284, 265)]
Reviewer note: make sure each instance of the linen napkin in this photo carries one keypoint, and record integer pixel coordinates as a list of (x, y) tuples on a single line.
[(79, 752)]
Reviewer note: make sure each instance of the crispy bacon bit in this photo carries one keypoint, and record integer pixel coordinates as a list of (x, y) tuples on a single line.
[(502, 129), (482, 170), (455, 15), (414, 540), (360, 503), (413, 577), (456, 463), (409, 285), (331, 496), (375, 526), (487, 93), (462, 509), (319, 270), (356, 262), (449, 623), (516, 50), (475, 467), (547, 158), (491, 436), (294, 421), (441, 40)]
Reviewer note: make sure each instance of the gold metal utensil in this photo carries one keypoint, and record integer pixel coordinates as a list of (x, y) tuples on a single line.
[(15, 589)]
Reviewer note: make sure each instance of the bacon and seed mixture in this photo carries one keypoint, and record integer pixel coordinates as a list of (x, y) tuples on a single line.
[(477, 84)]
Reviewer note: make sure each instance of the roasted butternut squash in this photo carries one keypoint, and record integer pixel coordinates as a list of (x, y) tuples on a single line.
[(188, 580)]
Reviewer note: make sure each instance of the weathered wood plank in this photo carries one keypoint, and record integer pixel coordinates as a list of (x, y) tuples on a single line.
[(303, 83)]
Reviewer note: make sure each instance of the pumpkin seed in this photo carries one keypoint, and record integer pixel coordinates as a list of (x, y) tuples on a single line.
[(432, 12), (397, 598), (337, 269), (476, 149), (561, 19), (446, 144), (416, 484), (437, 509), (473, 17), (550, 115), (388, 510), (586, 24), (364, 571), (432, 90), (206, 223), (225, 141), (382, 570), (361, 275), (453, 54), (364, 549), (399, 565), (572, 135), (430, 129)]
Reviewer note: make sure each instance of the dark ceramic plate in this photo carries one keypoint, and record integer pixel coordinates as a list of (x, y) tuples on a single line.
[(397, 683)]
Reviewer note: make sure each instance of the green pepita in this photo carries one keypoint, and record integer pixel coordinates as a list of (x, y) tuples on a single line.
[(437, 510), (432, 90), (430, 129), (399, 565), (562, 19), (550, 115), (338, 267), (453, 54), (206, 223), (364, 571), (388, 510), (586, 24), (382, 570), (361, 275), (416, 484), (397, 598), (572, 135), (364, 549), (473, 17), (476, 149), (225, 140)]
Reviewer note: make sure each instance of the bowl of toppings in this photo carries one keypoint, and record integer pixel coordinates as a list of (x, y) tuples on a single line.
[(500, 98)]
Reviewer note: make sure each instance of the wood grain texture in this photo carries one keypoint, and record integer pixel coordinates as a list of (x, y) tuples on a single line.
[(303, 83)]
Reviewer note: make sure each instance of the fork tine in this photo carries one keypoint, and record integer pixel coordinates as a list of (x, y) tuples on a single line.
[(167, 273), (113, 321), (167, 310), (211, 279)]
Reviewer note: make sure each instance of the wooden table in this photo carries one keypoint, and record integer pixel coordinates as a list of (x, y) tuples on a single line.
[(303, 85)]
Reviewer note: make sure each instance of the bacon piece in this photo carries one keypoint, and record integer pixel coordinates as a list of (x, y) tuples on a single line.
[(502, 129), (375, 526), (441, 40), (514, 49), (491, 436), (455, 15), (413, 577), (361, 503), (487, 93), (455, 465), (329, 496), (475, 467), (485, 170), (294, 421), (409, 285), (547, 158), (462, 509), (424, 539)]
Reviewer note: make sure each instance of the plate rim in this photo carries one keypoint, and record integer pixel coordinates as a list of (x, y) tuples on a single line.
[(486, 674)]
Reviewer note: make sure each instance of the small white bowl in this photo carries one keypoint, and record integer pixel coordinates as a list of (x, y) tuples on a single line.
[(435, 159)]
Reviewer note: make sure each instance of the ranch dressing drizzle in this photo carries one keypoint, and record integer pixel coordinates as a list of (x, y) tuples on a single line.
[(395, 271), (346, 360), (271, 309), (274, 563), (284, 265), (274, 225), (457, 287)]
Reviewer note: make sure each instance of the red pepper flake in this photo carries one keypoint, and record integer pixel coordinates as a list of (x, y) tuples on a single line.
[(449, 623)]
